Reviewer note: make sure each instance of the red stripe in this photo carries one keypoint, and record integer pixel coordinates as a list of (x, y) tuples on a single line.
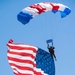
[(24, 74), (37, 73), (22, 68), (21, 74), (55, 7), (22, 48), (15, 72), (22, 61), (22, 54), (39, 8)]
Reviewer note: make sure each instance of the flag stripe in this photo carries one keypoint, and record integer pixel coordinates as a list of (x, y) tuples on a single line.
[(23, 71), (22, 54), (24, 51), (22, 67), (22, 61), (22, 48), (21, 64), (20, 57)]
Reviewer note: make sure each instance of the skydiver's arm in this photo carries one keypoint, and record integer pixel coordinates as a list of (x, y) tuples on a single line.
[(47, 45)]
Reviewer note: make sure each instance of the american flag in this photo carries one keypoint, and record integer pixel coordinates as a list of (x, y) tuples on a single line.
[(21, 58)]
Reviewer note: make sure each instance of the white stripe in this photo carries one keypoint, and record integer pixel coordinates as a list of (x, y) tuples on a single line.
[(55, 4), (24, 51), (23, 71), (15, 71), (23, 45), (20, 57), (61, 7), (39, 70), (32, 11), (47, 6), (21, 64)]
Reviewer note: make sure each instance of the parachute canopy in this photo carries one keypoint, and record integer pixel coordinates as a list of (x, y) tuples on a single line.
[(49, 40), (26, 59), (33, 10)]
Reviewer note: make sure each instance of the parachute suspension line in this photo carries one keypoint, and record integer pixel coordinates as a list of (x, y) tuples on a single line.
[(53, 32), (52, 43), (50, 32), (49, 42), (48, 27)]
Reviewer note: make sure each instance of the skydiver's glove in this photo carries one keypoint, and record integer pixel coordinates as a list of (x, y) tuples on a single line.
[(55, 59)]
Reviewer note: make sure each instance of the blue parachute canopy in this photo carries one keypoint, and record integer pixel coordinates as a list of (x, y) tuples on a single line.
[(49, 40), (45, 62), (24, 17), (65, 12)]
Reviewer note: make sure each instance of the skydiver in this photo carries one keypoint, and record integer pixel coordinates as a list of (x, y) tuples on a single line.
[(51, 50)]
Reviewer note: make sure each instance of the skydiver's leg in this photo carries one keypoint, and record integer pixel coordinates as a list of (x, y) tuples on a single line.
[(54, 57)]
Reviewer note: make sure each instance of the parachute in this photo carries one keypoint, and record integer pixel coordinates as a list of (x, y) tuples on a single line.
[(26, 59), (49, 40), (30, 12)]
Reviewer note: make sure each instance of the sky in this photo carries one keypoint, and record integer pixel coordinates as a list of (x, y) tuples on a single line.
[(37, 31)]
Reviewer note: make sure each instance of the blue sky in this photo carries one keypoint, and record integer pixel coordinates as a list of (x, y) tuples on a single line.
[(37, 31)]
